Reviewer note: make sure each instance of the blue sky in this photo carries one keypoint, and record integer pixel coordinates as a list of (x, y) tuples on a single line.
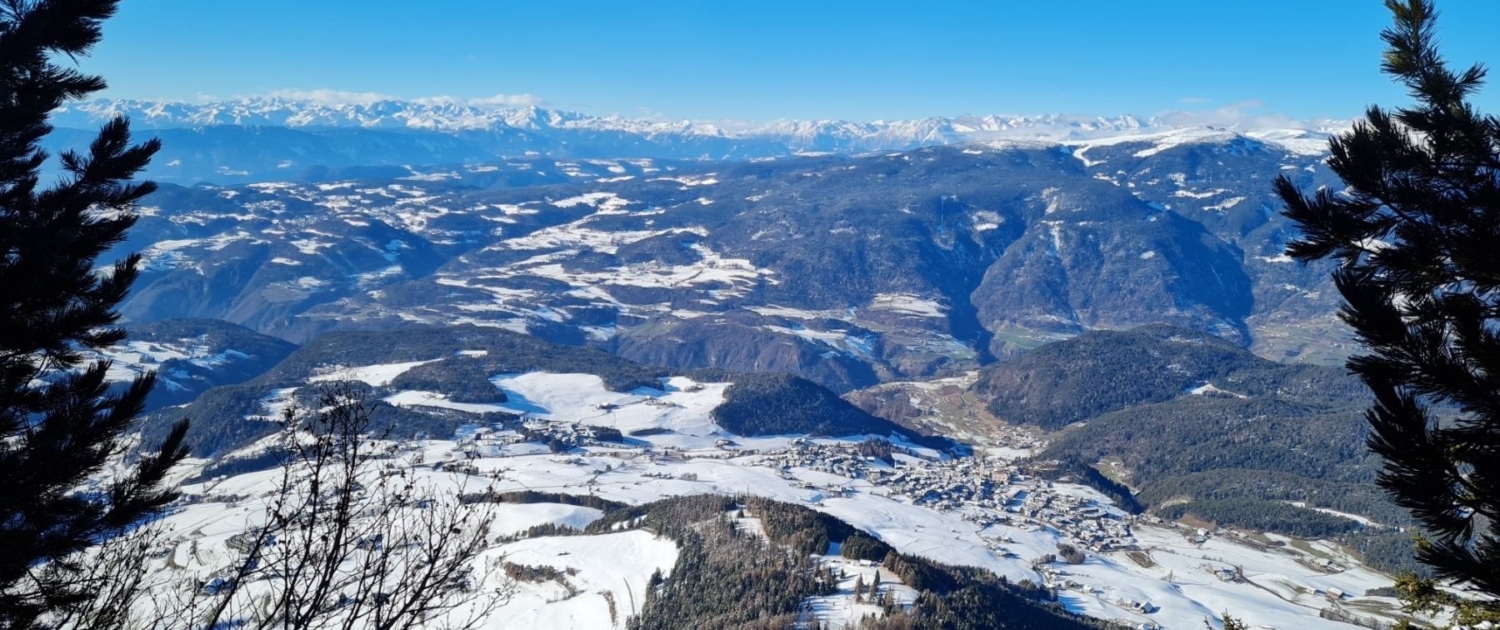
[(724, 60)]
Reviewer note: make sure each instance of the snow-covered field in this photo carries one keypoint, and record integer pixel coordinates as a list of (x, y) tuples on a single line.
[(607, 568), (909, 305), (132, 358), (370, 375), (1183, 580)]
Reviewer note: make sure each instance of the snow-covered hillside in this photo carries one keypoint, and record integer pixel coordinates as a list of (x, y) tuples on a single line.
[(189, 356), (848, 270), (981, 512)]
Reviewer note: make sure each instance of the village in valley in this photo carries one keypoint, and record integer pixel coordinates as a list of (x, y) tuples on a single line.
[(987, 491), (998, 496), (989, 505)]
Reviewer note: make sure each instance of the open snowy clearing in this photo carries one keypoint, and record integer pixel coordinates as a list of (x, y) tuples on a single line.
[(378, 375), (133, 358)]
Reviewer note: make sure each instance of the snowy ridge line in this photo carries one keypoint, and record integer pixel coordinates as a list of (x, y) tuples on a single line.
[(1300, 136)]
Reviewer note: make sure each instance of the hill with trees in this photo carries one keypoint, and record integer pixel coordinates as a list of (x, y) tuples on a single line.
[(845, 269), (201, 354), (1196, 425), (1103, 371), (458, 363)]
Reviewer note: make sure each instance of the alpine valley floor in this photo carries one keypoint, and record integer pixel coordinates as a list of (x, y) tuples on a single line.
[(978, 511)]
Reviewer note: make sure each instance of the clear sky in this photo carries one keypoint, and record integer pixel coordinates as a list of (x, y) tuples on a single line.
[(741, 60)]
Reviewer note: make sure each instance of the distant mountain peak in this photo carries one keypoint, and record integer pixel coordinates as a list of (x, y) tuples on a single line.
[(454, 116)]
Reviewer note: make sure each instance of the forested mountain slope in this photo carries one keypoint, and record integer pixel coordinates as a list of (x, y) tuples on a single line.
[(1104, 371), (459, 369), (1198, 426), (191, 356), (849, 270)]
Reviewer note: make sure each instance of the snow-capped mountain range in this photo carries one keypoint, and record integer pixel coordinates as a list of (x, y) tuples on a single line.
[(458, 117)]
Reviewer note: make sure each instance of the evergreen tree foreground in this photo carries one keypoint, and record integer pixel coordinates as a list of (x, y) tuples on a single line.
[(1417, 236), (60, 425)]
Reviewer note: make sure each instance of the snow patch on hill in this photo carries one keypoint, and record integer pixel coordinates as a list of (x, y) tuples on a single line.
[(839, 340), (617, 564), (133, 358), (606, 202), (520, 517), (711, 268), (1206, 388), (845, 608), (681, 405), (576, 235), (908, 304), (378, 375)]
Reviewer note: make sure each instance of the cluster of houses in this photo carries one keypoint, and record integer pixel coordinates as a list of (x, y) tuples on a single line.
[(564, 435), (988, 491), (950, 485), (1016, 438), (1080, 519), (567, 435), (1005, 494), (839, 459)]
